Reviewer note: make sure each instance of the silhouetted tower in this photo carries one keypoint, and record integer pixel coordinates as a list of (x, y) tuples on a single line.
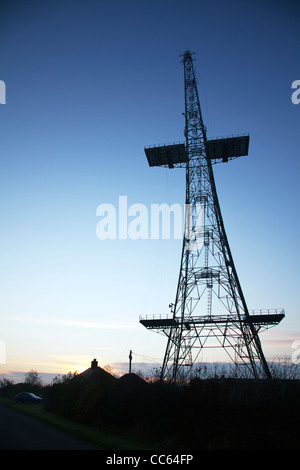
[(210, 309)]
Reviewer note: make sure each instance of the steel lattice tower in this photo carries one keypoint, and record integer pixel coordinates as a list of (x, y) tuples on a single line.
[(210, 309)]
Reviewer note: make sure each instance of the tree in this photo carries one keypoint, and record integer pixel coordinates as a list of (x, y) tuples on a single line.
[(4, 383), (32, 378), (66, 378)]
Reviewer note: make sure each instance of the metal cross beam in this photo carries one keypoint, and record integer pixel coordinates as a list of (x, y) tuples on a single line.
[(217, 150)]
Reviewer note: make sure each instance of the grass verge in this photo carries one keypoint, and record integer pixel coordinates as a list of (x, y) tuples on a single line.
[(105, 440)]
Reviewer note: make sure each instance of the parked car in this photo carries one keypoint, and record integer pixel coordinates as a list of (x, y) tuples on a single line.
[(27, 397)]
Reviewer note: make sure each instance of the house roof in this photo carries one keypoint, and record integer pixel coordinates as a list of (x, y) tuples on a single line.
[(97, 374), (131, 381)]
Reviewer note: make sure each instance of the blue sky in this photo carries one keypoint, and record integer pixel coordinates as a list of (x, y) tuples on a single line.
[(88, 85)]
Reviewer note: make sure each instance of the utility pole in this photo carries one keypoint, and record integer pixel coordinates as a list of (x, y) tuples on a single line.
[(130, 359)]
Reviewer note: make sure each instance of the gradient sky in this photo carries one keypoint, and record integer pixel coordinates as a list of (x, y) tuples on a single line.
[(88, 85)]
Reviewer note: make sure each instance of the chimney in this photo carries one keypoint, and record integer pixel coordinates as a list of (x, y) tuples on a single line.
[(94, 364)]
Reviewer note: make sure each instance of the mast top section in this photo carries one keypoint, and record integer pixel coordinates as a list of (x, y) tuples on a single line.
[(215, 150), (187, 55)]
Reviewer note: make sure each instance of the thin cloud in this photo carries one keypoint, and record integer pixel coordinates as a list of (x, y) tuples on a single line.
[(73, 323)]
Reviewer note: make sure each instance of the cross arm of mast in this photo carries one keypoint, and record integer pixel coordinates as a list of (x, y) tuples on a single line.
[(172, 155), (227, 148), (259, 318)]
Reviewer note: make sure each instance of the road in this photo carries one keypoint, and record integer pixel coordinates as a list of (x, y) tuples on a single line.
[(19, 431)]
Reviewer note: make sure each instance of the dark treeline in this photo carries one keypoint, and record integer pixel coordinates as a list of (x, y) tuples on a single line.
[(214, 413)]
